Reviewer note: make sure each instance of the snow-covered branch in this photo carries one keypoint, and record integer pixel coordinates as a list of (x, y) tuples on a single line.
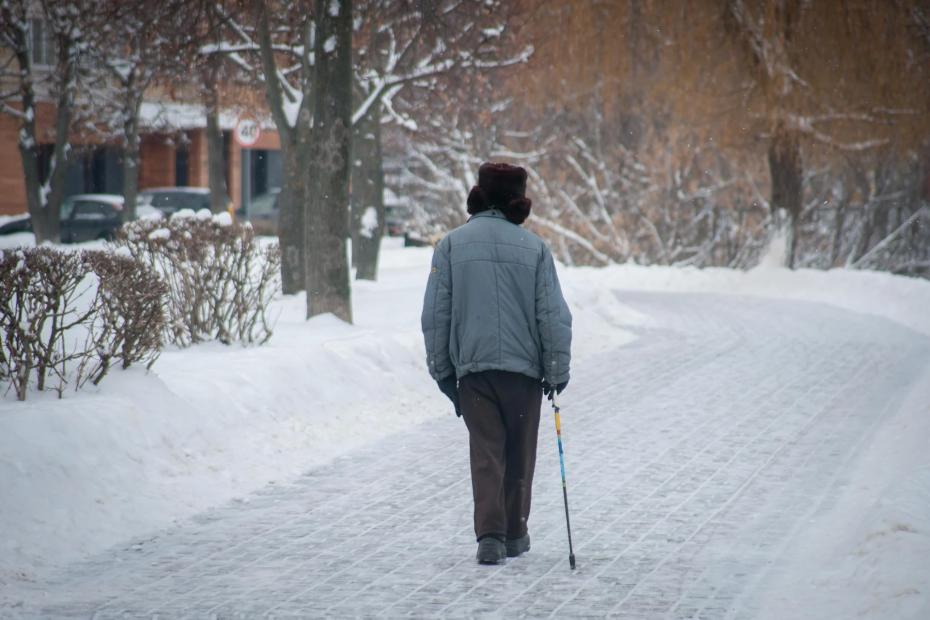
[(571, 235), (881, 245)]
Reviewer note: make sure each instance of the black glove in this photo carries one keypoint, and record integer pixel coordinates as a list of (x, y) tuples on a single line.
[(449, 387), (547, 388)]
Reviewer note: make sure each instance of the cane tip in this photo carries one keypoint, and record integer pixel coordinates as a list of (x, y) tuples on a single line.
[(571, 560)]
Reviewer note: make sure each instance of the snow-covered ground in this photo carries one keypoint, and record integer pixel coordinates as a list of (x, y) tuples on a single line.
[(213, 423), (867, 555)]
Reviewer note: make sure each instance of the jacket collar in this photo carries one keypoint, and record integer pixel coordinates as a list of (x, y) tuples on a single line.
[(488, 213)]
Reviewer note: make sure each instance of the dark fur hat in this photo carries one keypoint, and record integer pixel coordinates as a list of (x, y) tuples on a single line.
[(501, 186)]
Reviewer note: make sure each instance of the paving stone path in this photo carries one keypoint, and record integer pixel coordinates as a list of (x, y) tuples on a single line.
[(693, 454)]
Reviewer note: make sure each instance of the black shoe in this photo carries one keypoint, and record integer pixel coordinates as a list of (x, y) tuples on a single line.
[(517, 546), (491, 551)]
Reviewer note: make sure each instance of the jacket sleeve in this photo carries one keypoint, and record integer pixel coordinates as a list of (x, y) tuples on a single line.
[(554, 321), (436, 319)]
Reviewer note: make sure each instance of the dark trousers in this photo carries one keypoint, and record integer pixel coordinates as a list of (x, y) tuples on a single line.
[(501, 411)]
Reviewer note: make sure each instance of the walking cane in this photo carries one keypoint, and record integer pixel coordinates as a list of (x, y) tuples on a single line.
[(558, 434)]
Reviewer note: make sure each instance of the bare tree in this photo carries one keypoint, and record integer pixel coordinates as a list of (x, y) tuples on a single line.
[(273, 42), (800, 100), (54, 30), (724, 108), (438, 140), (867, 211), (279, 45), (596, 199), (404, 45), (215, 70), (141, 43)]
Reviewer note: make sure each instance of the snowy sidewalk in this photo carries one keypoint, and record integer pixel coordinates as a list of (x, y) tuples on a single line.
[(693, 456)]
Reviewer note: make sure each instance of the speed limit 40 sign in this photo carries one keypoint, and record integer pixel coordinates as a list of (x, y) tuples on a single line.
[(248, 130)]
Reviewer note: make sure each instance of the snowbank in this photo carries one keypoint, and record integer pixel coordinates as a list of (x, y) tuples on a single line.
[(901, 299)]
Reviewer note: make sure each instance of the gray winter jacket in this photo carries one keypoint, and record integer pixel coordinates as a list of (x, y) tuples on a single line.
[(493, 302)]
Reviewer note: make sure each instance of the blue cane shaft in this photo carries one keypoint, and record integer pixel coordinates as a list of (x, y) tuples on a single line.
[(558, 434)]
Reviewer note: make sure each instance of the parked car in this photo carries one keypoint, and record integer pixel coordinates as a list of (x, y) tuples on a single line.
[(262, 213), (19, 224), (169, 200), (395, 220), (84, 217), (413, 240)]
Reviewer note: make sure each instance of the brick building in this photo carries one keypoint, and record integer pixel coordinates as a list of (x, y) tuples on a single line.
[(173, 153), (173, 141)]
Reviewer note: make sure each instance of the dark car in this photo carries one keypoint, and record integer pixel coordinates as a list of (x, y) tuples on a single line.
[(170, 200), (84, 217), (262, 213), (19, 224), (395, 220)]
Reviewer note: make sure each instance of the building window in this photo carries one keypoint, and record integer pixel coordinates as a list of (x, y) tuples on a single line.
[(182, 164), (41, 43)]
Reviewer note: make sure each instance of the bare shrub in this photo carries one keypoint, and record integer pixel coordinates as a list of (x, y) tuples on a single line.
[(220, 280), (67, 317), (129, 321), (40, 294)]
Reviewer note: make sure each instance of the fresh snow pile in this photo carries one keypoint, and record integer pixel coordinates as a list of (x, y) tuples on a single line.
[(369, 223), (212, 423), (160, 233), (223, 219)]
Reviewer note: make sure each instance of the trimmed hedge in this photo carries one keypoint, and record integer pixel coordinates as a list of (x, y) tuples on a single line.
[(67, 317)]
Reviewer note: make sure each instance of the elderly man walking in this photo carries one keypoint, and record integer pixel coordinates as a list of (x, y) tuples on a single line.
[(498, 334)]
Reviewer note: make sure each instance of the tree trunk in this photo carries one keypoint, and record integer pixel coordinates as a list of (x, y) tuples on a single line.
[(56, 180), (865, 232), (27, 144), (292, 207), (367, 194), (328, 288), (786, 170), (43, 196), (794, 238), (924, 168), (292, 213), (131, 162), (216, 175), (884, 183), (67, 66), (839, 224), (29, 157)]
